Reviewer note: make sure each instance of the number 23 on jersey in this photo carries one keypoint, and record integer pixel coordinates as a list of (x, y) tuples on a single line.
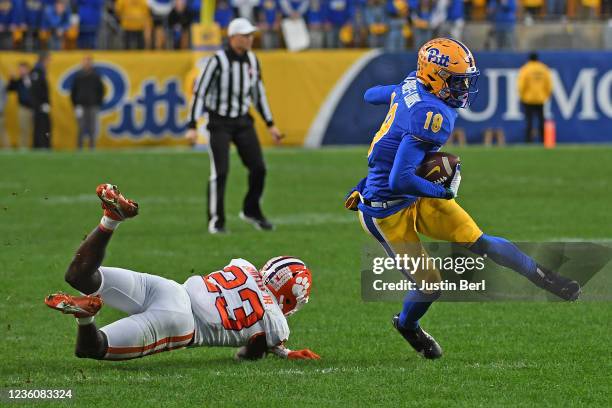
[(246, 294)]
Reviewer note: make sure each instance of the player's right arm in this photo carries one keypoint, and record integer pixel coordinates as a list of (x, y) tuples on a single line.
[(379, 95)]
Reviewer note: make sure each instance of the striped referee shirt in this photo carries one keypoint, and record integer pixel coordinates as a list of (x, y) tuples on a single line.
[(227, 86)]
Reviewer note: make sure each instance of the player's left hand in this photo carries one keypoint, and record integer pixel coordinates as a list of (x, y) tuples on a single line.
[(276, 134), (305, 354), (454, 184)]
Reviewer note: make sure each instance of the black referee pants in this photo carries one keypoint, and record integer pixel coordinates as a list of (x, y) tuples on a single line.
[(42, 130), (241, 132), (532, 111)]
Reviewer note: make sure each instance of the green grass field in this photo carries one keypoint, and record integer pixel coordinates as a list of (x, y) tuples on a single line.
[(496, 354)]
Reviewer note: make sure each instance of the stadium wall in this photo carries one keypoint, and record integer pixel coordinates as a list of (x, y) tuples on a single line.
[(316, 96), (581, 105)]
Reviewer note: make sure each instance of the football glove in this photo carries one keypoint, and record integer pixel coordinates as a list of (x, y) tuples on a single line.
[(453, 189), (305, 354)]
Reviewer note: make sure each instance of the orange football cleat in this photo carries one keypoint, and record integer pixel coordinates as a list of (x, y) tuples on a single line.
[(115, 205), (79, 306)]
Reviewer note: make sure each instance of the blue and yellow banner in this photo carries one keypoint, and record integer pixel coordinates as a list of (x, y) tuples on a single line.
[(147, 94)]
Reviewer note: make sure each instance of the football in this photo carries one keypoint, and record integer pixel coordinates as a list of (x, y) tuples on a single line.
[(438, 167)]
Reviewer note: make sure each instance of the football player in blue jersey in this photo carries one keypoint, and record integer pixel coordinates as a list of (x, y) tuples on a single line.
[(394, 204)]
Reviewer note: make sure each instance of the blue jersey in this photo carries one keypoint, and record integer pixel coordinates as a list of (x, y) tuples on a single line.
[(417, 123), (10, 13), (317, 12), (270, 11)]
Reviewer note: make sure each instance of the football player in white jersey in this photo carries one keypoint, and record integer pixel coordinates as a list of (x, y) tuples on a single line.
[(237, 306)]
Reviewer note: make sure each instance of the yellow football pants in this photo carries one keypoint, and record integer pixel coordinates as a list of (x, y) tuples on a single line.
[(439, 219)]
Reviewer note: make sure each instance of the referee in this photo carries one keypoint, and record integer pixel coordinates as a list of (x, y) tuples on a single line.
[(230, 82)]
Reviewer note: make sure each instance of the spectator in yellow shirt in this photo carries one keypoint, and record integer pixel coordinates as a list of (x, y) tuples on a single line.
[(535, 88), (532, 9), (135, 19)]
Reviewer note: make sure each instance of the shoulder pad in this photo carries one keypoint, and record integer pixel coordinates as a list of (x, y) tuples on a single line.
[(430, 123)]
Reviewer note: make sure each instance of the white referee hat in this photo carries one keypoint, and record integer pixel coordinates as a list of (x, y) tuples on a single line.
[(240, 26)]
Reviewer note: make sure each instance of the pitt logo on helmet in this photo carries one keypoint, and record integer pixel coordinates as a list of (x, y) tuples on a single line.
[(437, 58)]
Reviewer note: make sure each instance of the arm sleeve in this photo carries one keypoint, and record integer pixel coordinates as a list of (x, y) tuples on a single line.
[(261, 100), (379, 95), (201, 89), (403, 179)]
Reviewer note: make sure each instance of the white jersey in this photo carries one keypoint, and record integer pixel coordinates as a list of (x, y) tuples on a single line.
[(232, 305)]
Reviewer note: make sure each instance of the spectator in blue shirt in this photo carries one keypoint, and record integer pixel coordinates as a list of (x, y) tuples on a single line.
[(90, 17), (32, 12), (360, 28), (503, 16), (316, 17), (56, 21), (269, 22), (376, 20), (455, 20), (397, 12), (223, 15), (421, 21), (9, 20), (339, 13), (195, 7)]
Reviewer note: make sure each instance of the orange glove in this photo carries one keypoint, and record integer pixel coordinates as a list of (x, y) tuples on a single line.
[(303, 355)]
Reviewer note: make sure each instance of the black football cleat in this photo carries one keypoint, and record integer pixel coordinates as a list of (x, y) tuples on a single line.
[(420, 340), (259, 222), (565, 288)]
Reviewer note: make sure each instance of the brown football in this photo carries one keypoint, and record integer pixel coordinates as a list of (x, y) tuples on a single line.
[(438, 167)]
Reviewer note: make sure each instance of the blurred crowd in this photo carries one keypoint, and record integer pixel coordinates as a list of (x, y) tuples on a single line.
[(33, 25), (165, 24)]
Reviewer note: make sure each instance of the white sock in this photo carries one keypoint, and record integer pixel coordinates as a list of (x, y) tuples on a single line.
[(84, 321), (109, 224)]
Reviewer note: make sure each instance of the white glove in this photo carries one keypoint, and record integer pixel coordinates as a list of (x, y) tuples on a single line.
[(456, 180), (78, 111), (45, 108)]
